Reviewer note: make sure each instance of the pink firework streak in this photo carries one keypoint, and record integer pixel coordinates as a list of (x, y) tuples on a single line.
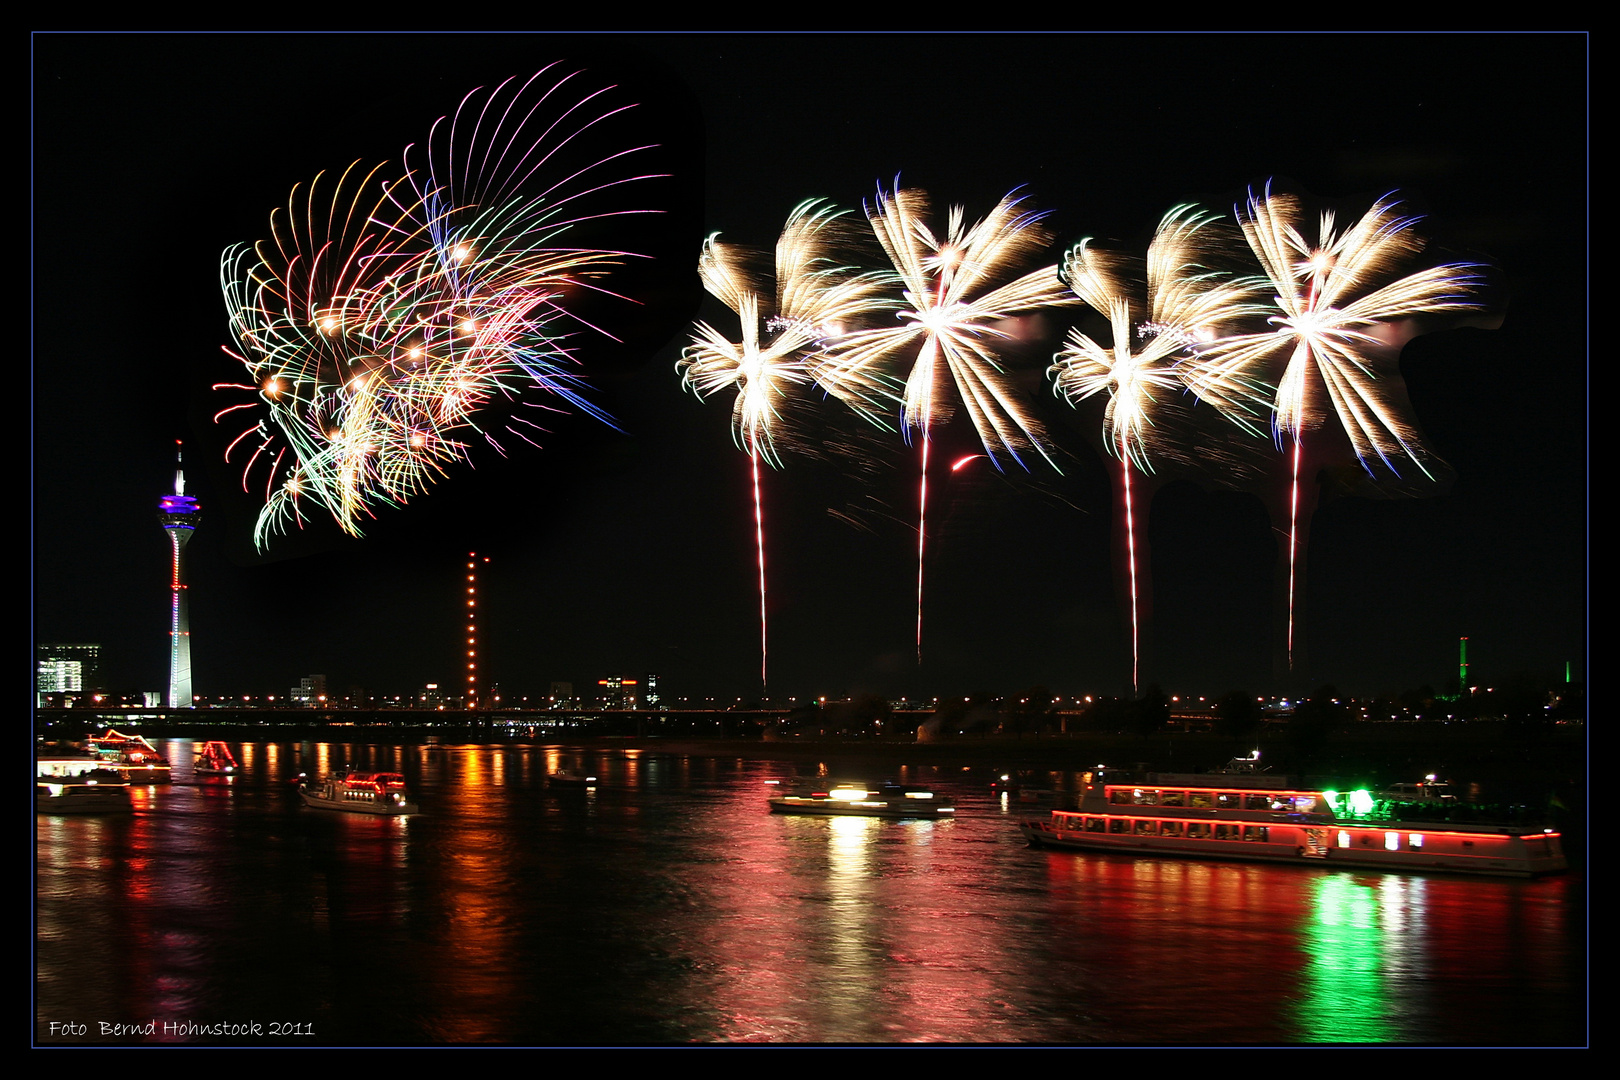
[(759, 541)]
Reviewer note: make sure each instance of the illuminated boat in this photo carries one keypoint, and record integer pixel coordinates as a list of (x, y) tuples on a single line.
[(214, 759), (359, 793), (131, 756), (83, 797), (570, 778), (865, 800), (1264, 819)]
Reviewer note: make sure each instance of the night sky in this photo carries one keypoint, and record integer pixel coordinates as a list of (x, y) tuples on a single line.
[(631, 550)]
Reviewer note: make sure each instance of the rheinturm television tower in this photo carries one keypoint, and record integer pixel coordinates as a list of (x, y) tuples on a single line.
[(179, 516)]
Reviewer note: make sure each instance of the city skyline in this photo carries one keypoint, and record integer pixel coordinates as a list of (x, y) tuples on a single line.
[(623, 550)]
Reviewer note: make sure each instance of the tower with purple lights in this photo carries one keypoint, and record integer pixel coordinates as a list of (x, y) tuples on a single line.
[(179, 515)]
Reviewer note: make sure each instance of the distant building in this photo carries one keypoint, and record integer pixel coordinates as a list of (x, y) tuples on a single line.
[(650, 698), (617, 692), (67, 669), (562, 695), (429, 696), (310, 691)]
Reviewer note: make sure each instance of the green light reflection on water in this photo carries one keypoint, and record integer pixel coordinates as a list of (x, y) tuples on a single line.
[(1344, 995)]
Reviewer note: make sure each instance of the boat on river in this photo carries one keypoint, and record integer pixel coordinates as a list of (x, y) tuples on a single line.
[(82, 796), (1260, 818), (359, 793), (131, 756), (214, 759), (889, 800), (576, 779)]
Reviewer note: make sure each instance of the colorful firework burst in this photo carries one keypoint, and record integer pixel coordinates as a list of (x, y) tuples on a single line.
[(382, 318)]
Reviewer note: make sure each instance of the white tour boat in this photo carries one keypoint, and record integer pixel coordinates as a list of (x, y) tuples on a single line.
[(1264, 818), (359, 793)]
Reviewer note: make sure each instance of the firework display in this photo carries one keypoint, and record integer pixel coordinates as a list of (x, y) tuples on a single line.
[(1333, 294), (956, 297), (398, 315), (391, 307), (813, 298), (787, 321), (1181, 304), (1338, 296)]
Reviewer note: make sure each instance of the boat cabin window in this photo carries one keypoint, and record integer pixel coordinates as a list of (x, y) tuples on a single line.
[(1170, 828), (1199, 830), (1096, 824), (1201, 800), (1257, 834)]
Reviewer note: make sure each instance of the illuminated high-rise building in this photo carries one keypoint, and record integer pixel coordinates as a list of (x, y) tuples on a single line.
[(66, 669), (179, 515)]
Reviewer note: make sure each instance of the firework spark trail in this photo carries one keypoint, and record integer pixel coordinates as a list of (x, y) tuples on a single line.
[(759, 546), (1185, 301), (1328, 293), (378, 322), (950, 311), (816, 297)]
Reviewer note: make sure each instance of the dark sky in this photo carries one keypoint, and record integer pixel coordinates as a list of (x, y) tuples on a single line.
[(632, 550)]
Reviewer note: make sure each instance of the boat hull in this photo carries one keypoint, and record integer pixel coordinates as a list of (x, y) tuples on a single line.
[(380, 807), (82, 799), (142, 774), (1497, 853), (884, 808)]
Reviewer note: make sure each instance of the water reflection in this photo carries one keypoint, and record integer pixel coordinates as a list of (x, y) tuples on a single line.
[(668, 905)]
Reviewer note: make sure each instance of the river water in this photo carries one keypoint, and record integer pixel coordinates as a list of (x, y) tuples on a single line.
[(669, 906)]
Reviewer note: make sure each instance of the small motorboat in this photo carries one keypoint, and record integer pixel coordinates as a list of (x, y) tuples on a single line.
[(359, 793), (571, 778), (890, 800)]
